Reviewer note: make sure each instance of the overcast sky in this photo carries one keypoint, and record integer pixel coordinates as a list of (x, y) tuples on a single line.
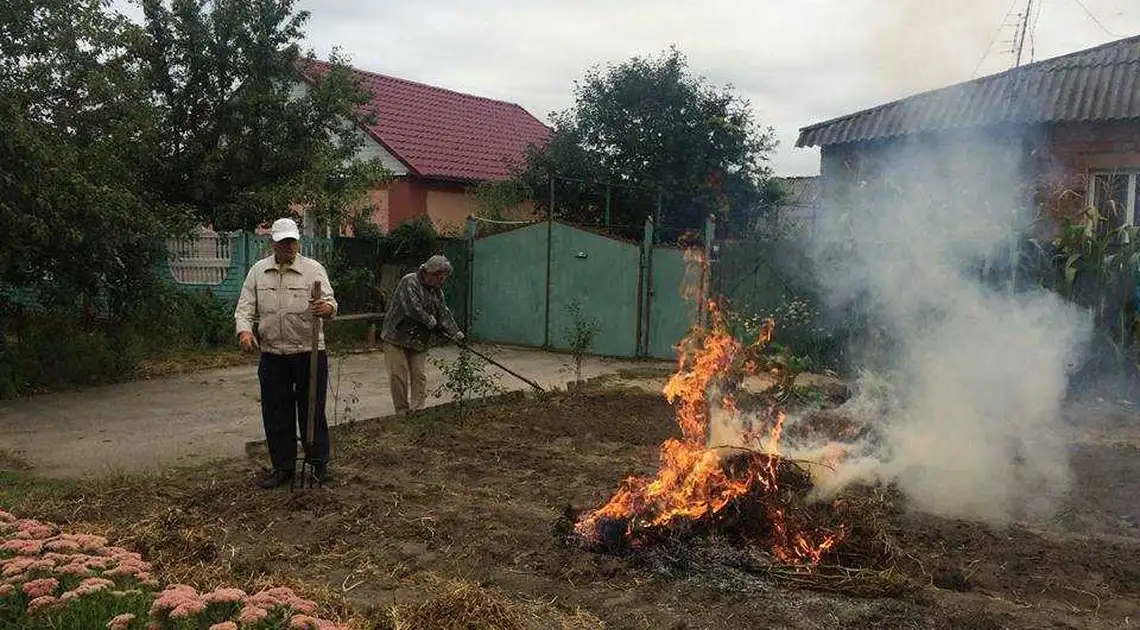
[(797, 61)]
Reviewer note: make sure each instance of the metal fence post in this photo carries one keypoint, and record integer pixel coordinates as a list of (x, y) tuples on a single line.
[(549, 254), (657, 218), (645, 289), (472, 228), (706, 270)]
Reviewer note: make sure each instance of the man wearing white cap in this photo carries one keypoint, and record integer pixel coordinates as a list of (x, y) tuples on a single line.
[(278, 291)]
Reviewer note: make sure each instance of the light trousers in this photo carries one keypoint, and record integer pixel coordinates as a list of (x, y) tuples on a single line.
[(406, 377)]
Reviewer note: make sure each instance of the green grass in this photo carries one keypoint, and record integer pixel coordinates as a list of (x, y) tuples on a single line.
[(659, 370), (19, 489)]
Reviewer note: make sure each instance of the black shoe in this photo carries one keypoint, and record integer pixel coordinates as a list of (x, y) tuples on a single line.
[(321, 473), (277, 478)]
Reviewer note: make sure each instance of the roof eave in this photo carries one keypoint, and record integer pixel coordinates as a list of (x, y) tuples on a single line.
[(821, 134), (368, 130)]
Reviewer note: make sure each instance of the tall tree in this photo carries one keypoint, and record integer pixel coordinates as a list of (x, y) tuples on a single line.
[(244, 138), (650, 128), (77, 218)]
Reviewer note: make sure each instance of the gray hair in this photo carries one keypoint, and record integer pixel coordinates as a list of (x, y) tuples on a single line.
[(436, 264)]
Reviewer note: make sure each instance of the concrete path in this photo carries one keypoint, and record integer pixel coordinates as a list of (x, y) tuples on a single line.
[(190, 419)]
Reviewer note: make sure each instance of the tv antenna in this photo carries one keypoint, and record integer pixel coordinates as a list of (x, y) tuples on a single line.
[(1022, 30)]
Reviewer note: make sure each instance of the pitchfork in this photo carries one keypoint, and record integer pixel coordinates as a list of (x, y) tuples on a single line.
[(307, 470)]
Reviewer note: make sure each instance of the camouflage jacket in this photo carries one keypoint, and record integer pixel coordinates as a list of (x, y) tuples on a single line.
[(414, 313)]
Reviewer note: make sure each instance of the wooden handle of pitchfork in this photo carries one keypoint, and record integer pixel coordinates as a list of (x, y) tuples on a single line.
[(316, 338)]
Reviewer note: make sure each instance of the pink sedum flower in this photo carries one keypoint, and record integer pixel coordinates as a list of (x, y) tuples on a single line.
[(225, 625), (86, 587), (23, 547), (6, 590), (303, 622), (306, 622), (89, 542), (40, 588), (6, 517), (33, 530), (120, 622), (251, 615), (96, 584), (188, 609), (225, 596), (302, 605), (73, 569), (174, 596), (62, 544), (40, 603), (15, 566)]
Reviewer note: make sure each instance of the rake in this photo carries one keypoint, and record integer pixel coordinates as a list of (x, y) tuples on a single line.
[(495, 363)]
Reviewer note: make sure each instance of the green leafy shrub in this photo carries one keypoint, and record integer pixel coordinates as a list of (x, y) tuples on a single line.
[(580, 335), (56, 348), (412, 240), (466, 377)]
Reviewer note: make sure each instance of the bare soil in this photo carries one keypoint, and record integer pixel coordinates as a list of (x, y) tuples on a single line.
[(476, 496)]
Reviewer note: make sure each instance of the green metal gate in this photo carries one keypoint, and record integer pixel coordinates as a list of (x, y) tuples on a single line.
[(602, 273), (524, 280), (508, 292), (671, 315)]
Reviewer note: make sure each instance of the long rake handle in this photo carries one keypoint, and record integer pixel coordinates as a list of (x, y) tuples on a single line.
[(499, 365)]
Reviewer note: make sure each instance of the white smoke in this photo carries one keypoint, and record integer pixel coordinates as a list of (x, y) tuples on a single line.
[(918, 251)]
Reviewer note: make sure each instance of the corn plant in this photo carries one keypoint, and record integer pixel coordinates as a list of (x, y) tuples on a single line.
[(1095, 259), (1096, 264)]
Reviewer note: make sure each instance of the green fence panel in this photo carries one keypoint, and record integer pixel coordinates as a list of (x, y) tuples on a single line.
[(671, 315), (319, 248), (601, 273), (743, 279), (509, 287), (457, 289)]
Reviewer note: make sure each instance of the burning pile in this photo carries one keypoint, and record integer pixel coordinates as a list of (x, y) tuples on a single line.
[(744, 489)]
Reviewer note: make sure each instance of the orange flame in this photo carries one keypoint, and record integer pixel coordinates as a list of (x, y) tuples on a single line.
[(692, 482)]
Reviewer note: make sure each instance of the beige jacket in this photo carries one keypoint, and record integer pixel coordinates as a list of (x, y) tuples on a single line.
[(279, 300)]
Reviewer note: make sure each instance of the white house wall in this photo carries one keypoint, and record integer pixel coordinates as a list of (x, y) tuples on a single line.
[(370, 149)]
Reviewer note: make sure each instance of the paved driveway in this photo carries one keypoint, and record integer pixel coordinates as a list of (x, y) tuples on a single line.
[(189, 419)]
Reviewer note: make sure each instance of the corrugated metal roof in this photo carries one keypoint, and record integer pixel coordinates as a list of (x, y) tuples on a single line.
[(1101, 83)]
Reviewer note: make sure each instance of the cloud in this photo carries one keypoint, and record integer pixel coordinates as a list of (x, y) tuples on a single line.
[(797, 63)]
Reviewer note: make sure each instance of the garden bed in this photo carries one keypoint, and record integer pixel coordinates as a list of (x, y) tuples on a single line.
[(437, 519)]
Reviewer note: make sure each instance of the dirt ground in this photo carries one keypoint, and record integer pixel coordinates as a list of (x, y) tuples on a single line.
[(192, 418), (423, 501)]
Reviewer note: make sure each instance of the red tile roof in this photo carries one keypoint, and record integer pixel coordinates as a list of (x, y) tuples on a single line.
[(445, 134)]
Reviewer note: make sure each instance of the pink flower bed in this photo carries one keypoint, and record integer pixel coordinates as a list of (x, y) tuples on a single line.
[(48, 572)]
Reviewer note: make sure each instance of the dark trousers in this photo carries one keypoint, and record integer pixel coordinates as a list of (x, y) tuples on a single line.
[(285, 407)]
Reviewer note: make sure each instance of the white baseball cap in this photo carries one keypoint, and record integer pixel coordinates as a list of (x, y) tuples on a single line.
[(283, 229)]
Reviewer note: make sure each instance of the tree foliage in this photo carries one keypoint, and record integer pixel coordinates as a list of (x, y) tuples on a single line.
[(116, 136), (650, 128), (242, 140), (77, 215)]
